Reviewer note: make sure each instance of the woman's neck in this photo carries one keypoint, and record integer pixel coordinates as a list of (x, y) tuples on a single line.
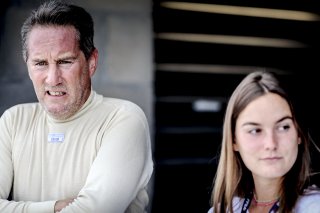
[(263, 203), (266, 190)]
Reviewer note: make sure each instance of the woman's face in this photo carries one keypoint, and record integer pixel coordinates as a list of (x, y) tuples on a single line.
[(266, 137)]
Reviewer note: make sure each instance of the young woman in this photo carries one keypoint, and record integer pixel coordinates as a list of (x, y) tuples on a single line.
[(264, 162)]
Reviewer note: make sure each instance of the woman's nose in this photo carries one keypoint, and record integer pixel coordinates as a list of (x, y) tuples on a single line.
[(271, 141)]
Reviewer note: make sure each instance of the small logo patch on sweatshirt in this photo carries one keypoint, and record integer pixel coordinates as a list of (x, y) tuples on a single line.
[(56, 137)]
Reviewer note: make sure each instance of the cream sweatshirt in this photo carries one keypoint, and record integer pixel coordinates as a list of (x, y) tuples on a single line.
[(101, 156)]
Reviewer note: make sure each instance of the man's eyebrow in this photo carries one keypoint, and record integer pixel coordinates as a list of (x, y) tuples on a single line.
[(36, 60), (65, 58)]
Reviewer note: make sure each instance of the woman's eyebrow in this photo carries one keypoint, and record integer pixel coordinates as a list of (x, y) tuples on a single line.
[(284, 118)]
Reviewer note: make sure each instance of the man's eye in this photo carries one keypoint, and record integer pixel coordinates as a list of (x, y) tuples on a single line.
[(41, 63), (64, 62)]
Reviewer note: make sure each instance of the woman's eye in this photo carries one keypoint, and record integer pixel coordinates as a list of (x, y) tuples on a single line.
[(284, 127), (254, 131)]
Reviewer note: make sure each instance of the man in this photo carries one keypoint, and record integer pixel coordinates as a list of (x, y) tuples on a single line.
[(75, 150)]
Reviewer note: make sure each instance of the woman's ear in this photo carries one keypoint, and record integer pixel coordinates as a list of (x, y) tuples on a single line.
[(299, 140), (235, 145)]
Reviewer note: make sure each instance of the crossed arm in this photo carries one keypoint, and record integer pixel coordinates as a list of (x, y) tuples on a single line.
[(122, 167)]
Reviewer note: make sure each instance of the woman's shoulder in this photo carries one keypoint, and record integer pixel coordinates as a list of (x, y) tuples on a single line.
[(309, 202)]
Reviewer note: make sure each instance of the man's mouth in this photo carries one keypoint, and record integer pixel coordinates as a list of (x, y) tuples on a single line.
[(56, 93)]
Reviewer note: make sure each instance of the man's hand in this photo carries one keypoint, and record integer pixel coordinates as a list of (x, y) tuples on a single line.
[(60, 204)]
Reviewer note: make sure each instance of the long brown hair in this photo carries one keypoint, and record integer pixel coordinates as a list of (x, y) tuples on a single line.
[(232, 177)]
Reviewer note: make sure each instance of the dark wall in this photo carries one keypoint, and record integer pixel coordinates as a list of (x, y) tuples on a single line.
[(189, 70)]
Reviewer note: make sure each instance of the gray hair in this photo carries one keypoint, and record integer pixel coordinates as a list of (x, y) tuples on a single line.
[(58, 13)]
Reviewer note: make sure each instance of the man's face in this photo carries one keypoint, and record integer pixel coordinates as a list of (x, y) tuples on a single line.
[(60, 73)]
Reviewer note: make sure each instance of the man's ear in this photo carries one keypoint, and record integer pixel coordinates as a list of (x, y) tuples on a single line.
[(93, 62), (29, 72)]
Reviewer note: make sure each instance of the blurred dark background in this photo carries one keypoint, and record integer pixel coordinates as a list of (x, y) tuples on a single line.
[(203, 49), (180, 61)]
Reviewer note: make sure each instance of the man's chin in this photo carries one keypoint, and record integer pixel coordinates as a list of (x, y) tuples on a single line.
[(57, 113)]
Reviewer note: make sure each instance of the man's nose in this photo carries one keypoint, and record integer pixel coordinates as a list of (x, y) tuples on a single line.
[(53, 75)]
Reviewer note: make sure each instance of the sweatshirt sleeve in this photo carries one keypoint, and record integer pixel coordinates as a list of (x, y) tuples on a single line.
[(6, 177), (309, 202), (122, 169), (26, 207)]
